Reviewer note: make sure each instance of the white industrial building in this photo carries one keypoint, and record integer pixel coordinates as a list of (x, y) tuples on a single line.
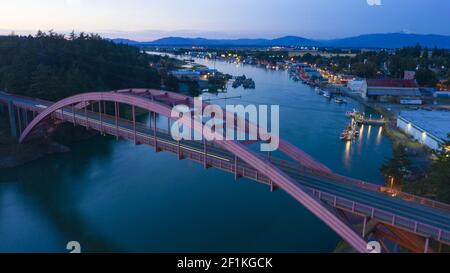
[(430, 128), (357, 85)]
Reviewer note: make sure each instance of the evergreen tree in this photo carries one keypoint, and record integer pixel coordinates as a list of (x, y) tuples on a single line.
[(49, 66), (397, 167)]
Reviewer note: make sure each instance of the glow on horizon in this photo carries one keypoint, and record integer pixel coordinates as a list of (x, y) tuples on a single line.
[(142, 19)]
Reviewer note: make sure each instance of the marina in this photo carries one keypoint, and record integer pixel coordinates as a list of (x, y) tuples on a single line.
[(360, 118)]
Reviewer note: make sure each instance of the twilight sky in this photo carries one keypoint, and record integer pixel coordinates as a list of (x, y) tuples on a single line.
[(151, 19)]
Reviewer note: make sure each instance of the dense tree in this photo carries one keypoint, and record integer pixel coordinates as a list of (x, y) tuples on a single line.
[(172, 83), (439, 177), (193, 88), (437, 180), (426, 77), (397, 167), (51, 66)]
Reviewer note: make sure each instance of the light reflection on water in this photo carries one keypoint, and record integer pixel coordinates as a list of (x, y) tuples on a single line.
[(361, 144), (379, 135), (369, 131), (348, 146)]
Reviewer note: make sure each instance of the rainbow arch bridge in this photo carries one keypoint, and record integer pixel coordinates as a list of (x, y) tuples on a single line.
[(356, 210)]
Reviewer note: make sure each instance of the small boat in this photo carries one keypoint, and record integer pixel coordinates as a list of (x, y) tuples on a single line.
[(236, 84), (239, 81), (249, 84), (353, 114), (340, 101), (327, 95), (346, 136)]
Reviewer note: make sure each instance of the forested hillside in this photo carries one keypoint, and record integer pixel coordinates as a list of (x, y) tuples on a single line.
[(53, 66)]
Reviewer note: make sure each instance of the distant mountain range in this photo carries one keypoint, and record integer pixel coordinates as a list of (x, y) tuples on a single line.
[(387, 40)]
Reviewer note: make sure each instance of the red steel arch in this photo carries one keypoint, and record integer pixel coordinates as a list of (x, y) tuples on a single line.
[(282, 180)]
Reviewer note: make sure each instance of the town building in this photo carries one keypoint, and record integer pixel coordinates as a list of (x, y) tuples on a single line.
[(186, 74), (443, 85), (409, 75), (441, 94), (389, 90), (301, 53), (357, 85), (430, 128), (345, 79), (194, 75)]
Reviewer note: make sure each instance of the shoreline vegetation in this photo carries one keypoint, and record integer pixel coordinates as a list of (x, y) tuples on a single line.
[(53, 66)]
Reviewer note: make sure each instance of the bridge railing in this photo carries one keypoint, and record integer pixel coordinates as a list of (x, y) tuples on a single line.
[(366, 185), (382, 216), (331, 176), (242, 170), (250, 173)]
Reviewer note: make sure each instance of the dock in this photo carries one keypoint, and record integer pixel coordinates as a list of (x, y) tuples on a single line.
[(360, 118)]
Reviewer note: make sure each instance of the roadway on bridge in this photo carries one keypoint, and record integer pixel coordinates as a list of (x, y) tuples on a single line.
[(378, 200)]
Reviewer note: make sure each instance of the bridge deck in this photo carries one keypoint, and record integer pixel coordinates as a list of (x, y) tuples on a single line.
[(361, 199)]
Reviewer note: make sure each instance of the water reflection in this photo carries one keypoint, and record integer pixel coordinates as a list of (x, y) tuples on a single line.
[(55, 199), (365, 141), (379, 135), (361, 133), (347, 160), (369, 131)]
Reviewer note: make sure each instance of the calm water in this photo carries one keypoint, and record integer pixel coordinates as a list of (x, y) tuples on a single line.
[(114, 196)]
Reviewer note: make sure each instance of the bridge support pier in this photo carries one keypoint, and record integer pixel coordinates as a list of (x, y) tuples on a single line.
[(364, 227), (205, 153), (86, 115), (116, 117), (236, 173), (154, 134), (101, 116), (12, 119), (273, 186), (73, 116), (180, 155), (19, 120), (25, 117), (133, 113), (427, 244)]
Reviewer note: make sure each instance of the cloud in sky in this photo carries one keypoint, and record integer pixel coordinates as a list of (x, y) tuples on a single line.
[(374, 2)]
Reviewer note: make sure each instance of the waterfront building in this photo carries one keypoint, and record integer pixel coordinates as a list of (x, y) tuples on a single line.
[(409, 75), (430, 128), (390, 90), (311, 73), (345, 79), (356, 85), (443, 85), (186, 74)]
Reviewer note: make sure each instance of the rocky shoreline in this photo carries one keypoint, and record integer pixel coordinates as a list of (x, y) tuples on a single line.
[(13, 154)]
